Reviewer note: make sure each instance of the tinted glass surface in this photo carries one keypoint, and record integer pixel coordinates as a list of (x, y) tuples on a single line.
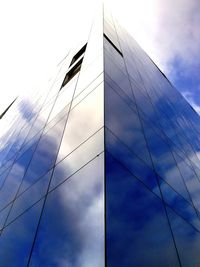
[(71, 232), (137, 230), (17, 238), (187, 240), (52, 166)]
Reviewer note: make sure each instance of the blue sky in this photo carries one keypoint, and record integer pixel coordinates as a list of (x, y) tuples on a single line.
[(36, 35)]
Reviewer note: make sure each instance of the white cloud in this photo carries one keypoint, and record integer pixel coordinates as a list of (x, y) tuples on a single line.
[(165, 29), (36, 35), (179, 32), (190, 98)]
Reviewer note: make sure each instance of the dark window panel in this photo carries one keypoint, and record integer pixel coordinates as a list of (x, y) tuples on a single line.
[(179, 204), (72, 72), (137, 230), (131, 162), (164, 163), (125, 124), (118, 76), (16, 239), (78, 54), (128, 99), (191, 180), (187, 240), (3, 216)]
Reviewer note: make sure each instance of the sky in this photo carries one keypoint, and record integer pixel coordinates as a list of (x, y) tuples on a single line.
[(36, 35)]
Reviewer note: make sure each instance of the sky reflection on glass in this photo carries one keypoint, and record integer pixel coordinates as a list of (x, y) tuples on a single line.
[(55, 209), (72, 227)]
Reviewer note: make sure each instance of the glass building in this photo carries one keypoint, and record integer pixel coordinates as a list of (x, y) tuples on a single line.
[(101, 167)]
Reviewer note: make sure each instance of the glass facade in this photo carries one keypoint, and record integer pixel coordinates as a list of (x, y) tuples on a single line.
[(101, 166)]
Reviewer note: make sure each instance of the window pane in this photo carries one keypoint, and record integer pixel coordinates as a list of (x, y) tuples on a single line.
[(125, 124), (84, 120), (44, 156), (71, 232), (187, 240), (78, 158), (16, 239), (137, 229)]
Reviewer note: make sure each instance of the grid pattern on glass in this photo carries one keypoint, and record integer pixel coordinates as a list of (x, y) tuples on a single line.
[(53, 167), (169, 131)]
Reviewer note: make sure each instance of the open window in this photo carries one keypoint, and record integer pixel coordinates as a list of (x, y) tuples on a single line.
[(74, 66), (80, 53), (72, 72), (4, 112), (106, 37)]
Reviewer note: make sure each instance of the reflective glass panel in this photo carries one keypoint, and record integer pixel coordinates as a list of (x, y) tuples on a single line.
[(84, 120), (164, 163), (29, 197), (131, 162), (45, 155), (71, 232), (16, 239), (187, 240), (78, 158), (15, 176), (125, 124), (137, 229)]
